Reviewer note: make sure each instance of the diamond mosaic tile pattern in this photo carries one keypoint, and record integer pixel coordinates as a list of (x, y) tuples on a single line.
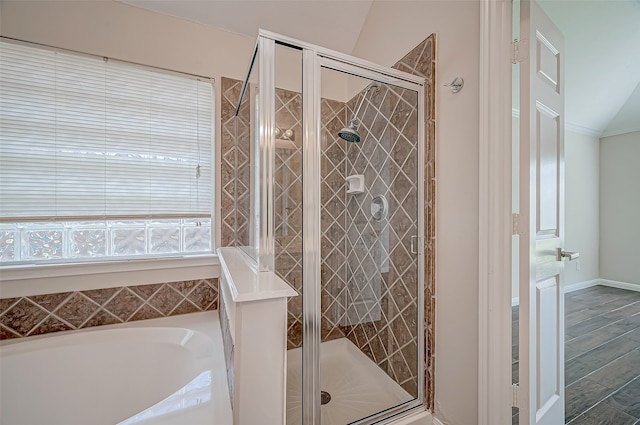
[(381, 271), (36, 315), (288, 208), (288, 204), (234, 161), (379, 315), (333, 228), (421, 61)]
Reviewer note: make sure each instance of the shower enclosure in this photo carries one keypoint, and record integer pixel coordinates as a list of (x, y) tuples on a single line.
[(329, 188)]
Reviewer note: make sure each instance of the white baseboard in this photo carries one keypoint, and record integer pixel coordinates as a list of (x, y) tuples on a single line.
[(620, 285), (589, 283), (581, 285)]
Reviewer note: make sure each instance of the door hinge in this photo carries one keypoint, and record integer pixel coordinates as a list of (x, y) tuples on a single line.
[(519, 51), (515, 388), (515, 225)]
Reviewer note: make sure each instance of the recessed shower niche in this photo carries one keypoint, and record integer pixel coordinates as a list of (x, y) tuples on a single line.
[(308, 120)]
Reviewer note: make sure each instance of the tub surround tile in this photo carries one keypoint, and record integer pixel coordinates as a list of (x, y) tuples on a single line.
[(145, 291), (23, 316), (185, 307), (52, 301), (102, 317), (99, 296), (146, 312), (6, 303), (7, 333), (41, 314), (77, 309), (165, 300), (204, 295), (124, 304), (184, 287), (50, 324)]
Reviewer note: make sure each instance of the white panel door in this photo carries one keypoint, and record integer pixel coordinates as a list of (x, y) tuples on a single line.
[(541, 371)]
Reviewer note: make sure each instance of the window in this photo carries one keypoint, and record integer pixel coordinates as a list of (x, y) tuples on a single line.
[(101, 159)]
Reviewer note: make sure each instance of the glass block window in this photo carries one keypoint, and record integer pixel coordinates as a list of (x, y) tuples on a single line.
[(101, 158)]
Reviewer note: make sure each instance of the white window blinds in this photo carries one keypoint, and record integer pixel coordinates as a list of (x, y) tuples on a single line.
[(82, 138)]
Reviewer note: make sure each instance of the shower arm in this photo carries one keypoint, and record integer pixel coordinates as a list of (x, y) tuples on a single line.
[(354, 120)]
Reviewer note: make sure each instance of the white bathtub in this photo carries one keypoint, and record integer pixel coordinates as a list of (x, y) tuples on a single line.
[(163, 371)]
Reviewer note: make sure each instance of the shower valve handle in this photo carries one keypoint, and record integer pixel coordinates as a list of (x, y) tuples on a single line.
[(414, 246)]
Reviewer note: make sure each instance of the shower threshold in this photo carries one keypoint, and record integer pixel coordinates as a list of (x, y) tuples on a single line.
[(357, 386)]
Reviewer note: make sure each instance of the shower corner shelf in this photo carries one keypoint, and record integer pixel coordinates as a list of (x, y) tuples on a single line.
[(355, 184)]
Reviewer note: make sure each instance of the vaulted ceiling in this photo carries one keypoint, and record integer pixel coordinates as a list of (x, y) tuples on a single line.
[(602, 65), (334, 24)]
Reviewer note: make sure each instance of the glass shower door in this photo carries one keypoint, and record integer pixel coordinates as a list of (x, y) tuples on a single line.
[(370, 328), (339, 170)]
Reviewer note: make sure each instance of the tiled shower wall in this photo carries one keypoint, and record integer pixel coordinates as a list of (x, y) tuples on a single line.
[(41, 314), (389, 339), (421, 61), (288, 208), (234, 161), (333, 247), (381, 271), (288, 201), (288, 188), (384, 339)]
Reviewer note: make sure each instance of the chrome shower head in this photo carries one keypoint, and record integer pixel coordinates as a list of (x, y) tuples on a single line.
[(350, 134)]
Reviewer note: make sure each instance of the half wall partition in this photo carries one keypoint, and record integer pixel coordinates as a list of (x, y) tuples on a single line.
[(329, 194)]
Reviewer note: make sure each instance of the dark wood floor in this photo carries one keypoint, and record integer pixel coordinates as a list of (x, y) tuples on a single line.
[(602, 356)]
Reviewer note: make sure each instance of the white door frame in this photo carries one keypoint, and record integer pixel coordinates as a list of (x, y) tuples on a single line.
[(494, 302)]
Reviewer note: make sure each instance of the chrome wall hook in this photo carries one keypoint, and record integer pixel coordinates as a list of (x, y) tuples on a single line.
[(456, 85)]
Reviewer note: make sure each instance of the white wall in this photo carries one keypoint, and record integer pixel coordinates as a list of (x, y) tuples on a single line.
[(582, 206), (393, 28), (620, 208), (124, 32)]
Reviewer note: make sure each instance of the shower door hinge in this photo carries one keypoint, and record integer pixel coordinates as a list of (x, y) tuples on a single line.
[(519, 51), (515, 225), (514, 395)]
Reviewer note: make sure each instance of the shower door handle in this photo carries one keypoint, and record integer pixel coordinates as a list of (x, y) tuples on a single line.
[(414, 247)]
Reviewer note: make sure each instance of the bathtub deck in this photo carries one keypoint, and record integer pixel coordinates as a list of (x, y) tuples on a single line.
[(202, 400)]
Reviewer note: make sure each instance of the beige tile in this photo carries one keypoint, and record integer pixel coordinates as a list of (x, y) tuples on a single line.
[(77, 309)]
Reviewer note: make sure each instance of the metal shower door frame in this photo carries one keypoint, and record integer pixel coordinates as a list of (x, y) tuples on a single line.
[(314, 58)]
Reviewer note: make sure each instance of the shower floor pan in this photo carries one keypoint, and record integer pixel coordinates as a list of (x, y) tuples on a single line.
[(358, 387)]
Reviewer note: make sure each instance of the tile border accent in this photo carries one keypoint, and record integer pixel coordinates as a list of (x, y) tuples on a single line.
[(42, 314)]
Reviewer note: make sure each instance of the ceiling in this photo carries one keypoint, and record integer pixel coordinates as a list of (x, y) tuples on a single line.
[(334, 24), (602, 66)]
